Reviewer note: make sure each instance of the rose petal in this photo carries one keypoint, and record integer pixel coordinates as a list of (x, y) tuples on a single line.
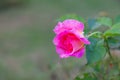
[(69, 25), (70, 39), (81, 37), (58, 28), (77, 44), (73, 24), (62, 52), (78, 34), (56, 40), (79, 53), (59, 37), (85, 40)]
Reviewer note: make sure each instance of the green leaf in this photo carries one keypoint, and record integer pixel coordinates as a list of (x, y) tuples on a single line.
[(99, 24), (114, 31), (114, 42), (106, 21), (93, 24), (71, 16), (95, 51), (86, 76)]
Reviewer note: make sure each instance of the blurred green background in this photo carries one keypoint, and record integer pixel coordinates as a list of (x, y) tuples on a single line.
[(26, 49)]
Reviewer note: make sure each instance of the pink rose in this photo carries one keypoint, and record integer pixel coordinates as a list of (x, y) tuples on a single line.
[(69, 39)]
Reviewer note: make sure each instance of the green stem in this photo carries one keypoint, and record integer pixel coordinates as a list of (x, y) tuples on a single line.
[(108, 48), (93, 34)]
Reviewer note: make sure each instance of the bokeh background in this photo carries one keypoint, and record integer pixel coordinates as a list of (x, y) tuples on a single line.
[(26, 49)]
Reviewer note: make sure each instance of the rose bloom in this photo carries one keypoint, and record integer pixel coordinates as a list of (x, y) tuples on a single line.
[(69, 39)]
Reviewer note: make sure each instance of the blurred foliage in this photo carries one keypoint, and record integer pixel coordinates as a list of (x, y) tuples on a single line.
[(87, 76), (12, 3), (117, 19), (101, 44)]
